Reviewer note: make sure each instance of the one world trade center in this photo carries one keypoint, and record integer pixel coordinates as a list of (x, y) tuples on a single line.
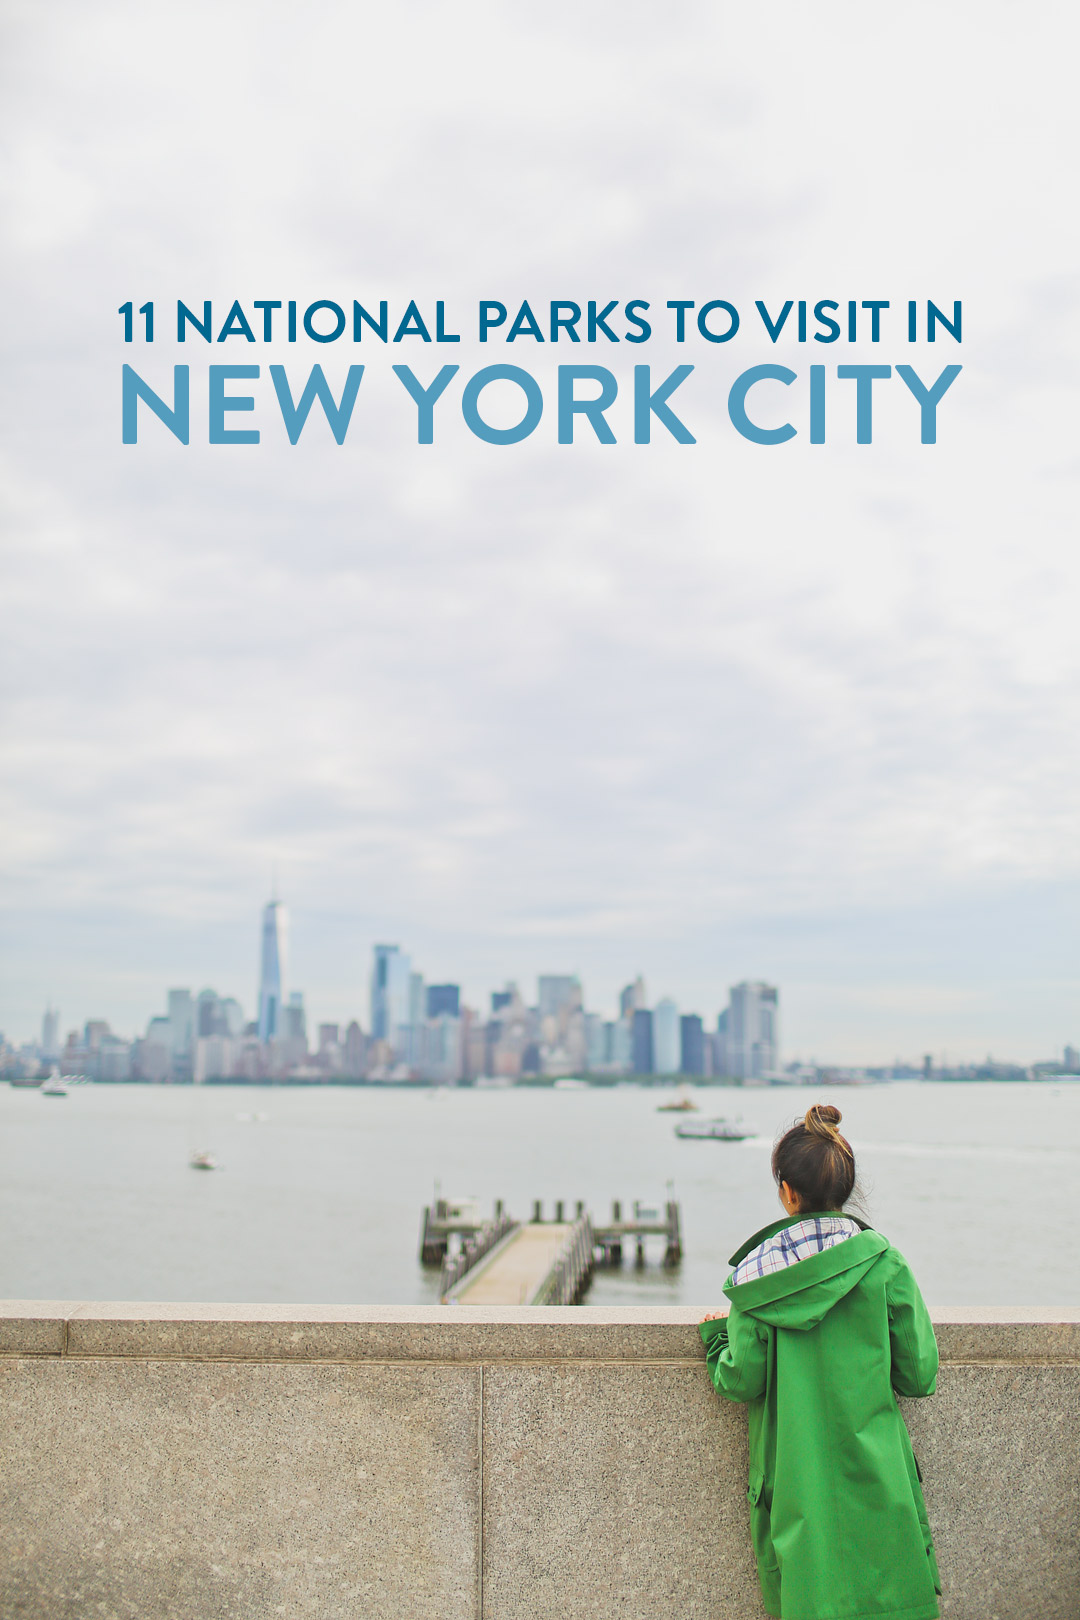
[(272, 972)]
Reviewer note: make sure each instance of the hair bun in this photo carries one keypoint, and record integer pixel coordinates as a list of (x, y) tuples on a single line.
[(822, 1119), (815, 1160)]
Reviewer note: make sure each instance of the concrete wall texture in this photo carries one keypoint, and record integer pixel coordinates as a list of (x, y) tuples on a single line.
[(245, 1462)]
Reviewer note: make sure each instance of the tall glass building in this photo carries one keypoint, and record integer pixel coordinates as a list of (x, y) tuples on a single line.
[(272, 970), (666, 1051), (390, 994), (753, 1030)]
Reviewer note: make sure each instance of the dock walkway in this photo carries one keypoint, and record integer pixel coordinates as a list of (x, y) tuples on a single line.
[(517, 1269), (507, 1262)]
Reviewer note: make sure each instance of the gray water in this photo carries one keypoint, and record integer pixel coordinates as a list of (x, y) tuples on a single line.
[(320, 1201)]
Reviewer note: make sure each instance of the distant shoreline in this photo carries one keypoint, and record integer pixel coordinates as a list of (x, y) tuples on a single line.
[(551, 1083)]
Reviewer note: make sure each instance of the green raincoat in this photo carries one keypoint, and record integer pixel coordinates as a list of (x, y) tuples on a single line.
[(816, 1350)]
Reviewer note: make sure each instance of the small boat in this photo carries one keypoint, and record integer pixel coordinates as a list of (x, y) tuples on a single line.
[(712, 1130), (571, 1085), (203, 1161), (681, 1103), (53, 1086)]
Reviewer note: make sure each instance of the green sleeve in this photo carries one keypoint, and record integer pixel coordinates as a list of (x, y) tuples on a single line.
[(911, 1336), (736, 1355)]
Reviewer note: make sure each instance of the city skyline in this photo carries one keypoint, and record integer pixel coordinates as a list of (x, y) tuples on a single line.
[(418, 1028), (902, 1002)]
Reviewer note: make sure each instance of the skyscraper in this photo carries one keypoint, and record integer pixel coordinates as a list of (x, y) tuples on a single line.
[(632, 997), (232, 1016), (209, 1019), (666, 1037), (390, 993), (50, 1033), (642, 1037), (558, 991), (443, 998), (722, 1054), (691, 1044), (181, 1022), (417, 1013), (355, 1047), (272, 970), (753, 1030), (294, 1019)]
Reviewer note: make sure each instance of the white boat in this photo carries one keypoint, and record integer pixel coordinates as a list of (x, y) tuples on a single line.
[(711, 1130), (53, 1086), (203, 1161), (571, 1085)]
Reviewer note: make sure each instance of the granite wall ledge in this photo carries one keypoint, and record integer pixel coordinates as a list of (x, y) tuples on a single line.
[(252, 1332), (240, 1462)]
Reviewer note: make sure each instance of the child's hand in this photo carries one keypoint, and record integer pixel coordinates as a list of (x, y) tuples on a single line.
[(716, 1316)]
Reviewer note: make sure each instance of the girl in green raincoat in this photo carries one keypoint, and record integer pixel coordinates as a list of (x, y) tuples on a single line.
[(826, 1327)]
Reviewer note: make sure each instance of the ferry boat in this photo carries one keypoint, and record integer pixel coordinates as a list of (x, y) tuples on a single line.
[(203, 1161), (53, 1086), (711, 1130)]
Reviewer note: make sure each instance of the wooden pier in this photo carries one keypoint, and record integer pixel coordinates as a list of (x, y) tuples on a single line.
[(500, 1261), (642, 1223)]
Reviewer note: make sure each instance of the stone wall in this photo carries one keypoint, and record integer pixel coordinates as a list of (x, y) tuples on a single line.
[(246, 1462)]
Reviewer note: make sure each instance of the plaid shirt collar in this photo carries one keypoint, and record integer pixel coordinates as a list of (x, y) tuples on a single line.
[(794, 1242)]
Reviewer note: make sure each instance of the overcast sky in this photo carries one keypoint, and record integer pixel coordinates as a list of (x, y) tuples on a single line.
[(806, 713)]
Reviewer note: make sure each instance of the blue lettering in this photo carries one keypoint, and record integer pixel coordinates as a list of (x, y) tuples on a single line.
[(647, 404), (774, 328), (177, 419), (864, 386), (565, 323), (339, 321), (593, 409), (220, 402), (425, 399), (380, 327), (236, 325), (928, 397), (733, 321), (412, 325), (737, 401), (534, 404), (598, 321), (644, 331), (525, 324), (492, 313), (316, 388), (184, 315)]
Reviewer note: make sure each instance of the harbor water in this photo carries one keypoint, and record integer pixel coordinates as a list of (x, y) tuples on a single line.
[(318, 1192)]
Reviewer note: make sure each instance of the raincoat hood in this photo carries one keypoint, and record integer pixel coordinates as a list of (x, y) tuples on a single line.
[(800, 1296)]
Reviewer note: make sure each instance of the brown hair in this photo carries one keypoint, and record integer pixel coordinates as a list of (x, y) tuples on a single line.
[(815, 1160)]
